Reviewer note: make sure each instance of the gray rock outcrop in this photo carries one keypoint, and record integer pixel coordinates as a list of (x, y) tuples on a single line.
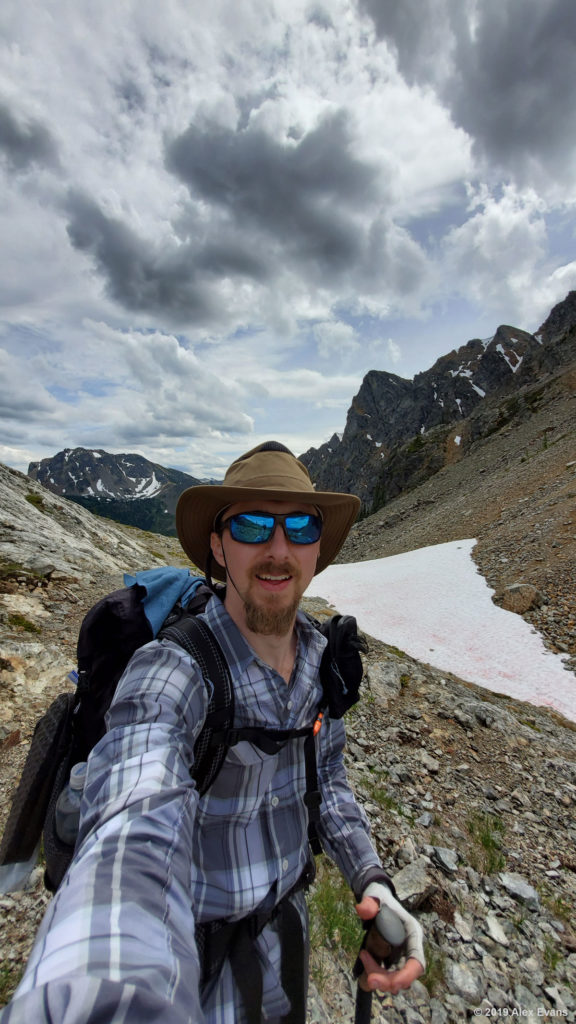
[(399, 432)]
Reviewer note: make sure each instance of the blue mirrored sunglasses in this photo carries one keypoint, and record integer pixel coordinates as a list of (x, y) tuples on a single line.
[(258, 527)]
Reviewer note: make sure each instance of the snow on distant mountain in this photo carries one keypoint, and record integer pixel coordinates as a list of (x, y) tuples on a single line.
[(127, 488)]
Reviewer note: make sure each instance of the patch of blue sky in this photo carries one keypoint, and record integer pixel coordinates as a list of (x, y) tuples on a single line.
[(90, 387), (428, 229), (300, 425), (97, 388), (17, 338), (561, 229), (406, 346)]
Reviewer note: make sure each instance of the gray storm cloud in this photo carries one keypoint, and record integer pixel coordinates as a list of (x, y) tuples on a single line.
[(273, 206), (137, 276), (505, 68), (24, 142), (298, 194)]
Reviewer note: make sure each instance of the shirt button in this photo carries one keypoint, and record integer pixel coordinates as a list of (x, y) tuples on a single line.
[(285, 864), (275, 801), (289, 705)]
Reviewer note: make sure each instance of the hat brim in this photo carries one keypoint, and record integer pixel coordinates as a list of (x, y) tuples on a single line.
[(199, 506)]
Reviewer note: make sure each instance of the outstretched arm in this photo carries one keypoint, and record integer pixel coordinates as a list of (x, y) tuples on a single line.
[(345, 836), (117, 942)]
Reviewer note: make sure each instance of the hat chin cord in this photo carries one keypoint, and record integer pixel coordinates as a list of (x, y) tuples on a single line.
[(228, 573)]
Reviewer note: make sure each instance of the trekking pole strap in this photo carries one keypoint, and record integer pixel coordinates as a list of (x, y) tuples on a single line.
[(363, 999), (363, 1006)]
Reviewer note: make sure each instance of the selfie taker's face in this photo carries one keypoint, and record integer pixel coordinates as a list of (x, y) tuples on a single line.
[(271, 577)]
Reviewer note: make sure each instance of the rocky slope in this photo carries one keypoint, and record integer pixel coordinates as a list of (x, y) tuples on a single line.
[(516, 492), (471, 799), (400, 432), (471, 796)]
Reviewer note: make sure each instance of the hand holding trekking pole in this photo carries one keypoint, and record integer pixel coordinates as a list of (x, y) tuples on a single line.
[(395, 935)]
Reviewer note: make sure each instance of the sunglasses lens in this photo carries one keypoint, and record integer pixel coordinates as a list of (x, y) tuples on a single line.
[(251, 527), (257, 527), (303, 529)]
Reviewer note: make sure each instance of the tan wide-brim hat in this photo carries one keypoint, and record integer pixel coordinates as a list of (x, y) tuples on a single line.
[(269, 472)]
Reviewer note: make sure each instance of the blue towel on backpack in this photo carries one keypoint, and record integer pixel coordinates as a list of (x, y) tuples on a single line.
[(164, 587)]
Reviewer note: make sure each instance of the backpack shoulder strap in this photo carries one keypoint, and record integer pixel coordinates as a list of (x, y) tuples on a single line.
[(198, 640), (341, 668)]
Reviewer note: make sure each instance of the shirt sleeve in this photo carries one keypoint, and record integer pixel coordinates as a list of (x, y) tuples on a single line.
[(344, 829), (117, 942)]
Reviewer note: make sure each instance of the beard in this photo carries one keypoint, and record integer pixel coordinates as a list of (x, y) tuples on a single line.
[(270, 621), (273, 618)]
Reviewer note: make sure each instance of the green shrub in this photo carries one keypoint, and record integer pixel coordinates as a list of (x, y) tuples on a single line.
[(10, 974), (333, 919), (18, 621), (433, 977), (487, 831), (36, 500)]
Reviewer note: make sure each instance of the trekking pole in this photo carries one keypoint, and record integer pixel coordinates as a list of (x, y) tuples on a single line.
[(391, 935)]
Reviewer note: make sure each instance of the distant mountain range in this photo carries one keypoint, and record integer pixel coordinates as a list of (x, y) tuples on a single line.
[(126, 488), (398, 432)]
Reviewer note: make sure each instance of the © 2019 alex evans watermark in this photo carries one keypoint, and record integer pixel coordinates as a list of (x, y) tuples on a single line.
[(541, 1013)]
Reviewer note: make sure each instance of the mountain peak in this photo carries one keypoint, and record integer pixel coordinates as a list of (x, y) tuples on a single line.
[(391, 420), (126, 487)]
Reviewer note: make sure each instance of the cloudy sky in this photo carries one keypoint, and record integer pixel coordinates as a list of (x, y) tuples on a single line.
[(216, 218)]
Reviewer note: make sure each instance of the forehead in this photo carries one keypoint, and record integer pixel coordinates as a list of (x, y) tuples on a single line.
[(280, 507)]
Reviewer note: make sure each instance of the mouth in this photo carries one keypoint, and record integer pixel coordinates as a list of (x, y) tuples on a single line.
[(274, 581)]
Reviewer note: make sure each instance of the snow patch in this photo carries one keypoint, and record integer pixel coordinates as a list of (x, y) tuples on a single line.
[(513, 366), (434, 604), (148, 488)]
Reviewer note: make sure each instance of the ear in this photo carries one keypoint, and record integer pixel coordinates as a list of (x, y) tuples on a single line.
[(216, 546)]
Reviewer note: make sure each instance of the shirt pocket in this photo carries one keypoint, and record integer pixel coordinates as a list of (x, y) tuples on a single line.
[(246, 754), (237, 794)]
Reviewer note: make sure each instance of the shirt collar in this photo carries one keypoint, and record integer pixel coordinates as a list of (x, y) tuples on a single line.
[(235, 644)]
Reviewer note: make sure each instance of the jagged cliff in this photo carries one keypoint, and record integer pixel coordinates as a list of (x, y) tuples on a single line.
[(400, 432)]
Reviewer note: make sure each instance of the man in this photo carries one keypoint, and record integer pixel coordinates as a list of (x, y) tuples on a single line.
[(154, 865)]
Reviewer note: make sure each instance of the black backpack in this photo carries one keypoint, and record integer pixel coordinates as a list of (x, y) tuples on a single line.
[(110, 634)]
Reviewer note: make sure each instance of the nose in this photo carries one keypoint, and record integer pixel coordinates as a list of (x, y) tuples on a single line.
[(279, 545)]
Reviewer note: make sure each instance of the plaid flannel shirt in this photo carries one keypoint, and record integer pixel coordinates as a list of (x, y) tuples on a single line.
[(152, 859)]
